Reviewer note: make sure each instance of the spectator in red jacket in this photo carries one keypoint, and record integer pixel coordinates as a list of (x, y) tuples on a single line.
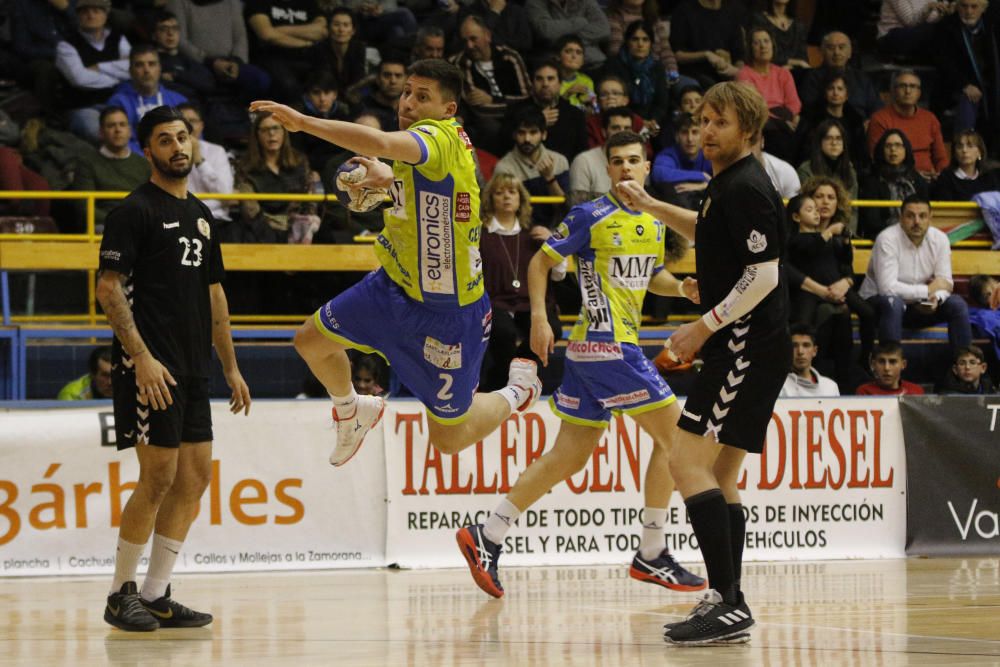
[(888, 364), (921, 127)]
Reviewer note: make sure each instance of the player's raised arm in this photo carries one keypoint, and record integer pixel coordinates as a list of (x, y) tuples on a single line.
[(681, 220)]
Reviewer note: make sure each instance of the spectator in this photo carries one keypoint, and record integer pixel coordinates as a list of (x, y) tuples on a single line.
[(967, 375), (621, 13), (544, 172), (588, 173), (650, 90), (115, 167), (564, 123), (143, 91), (494, 78), (367, 371), (893, 177), (707, 36), (507, 247), (681, 172), (612, 93), (214, 33), (284, 33), (984, 293), (907, 27), (96, 384), (384, 22), (383, 99), (963, 179), (319, 100), (837, 51), (551, 19), (782, 175), (804, 380), (343, 52), (14, 176), (833, 106), (577, 88), (922, 127), (969, 48), (190, 78), (776, 86), (508, 21), (429, 43), (829, 156), (93, 59), (36, 29), (908, 281), (887, 366), (787, 31), (211, 170)]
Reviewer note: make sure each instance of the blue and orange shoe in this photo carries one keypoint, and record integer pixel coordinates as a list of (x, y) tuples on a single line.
[(482, 556), (665, 571)]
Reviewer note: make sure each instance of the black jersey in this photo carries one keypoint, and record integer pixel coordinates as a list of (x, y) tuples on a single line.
[(741, 222), (169, 251)]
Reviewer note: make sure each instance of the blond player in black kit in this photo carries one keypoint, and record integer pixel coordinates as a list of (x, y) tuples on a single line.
[(743, 339), (160, 287)]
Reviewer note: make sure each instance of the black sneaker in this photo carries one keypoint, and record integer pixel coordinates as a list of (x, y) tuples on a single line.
[(172, 614), (711, 622), (482, 557), (125, 611), (665, 571)]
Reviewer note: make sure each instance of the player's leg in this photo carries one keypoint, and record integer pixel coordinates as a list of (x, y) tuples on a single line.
[(480, 544), (326, 358), (727, 471), (484, 416)]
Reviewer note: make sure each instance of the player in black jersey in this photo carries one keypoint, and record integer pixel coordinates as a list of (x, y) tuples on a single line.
[(160, 287), (743, 338)]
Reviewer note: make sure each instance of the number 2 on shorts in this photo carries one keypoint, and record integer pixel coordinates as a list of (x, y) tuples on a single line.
[(445, 393)]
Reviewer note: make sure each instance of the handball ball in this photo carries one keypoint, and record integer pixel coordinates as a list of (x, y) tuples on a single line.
[(359, 200)]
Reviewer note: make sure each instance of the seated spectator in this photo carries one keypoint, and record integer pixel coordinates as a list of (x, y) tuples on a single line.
[(507, 247), (787, 31), (887, 366), (383, 99), (588, 173), (15, 176), (143, 91), (384, 22), (967, 375), (776, 86), (494, 79), (36, 28), (284, 33), (984, 293), (830, 156), (908, 281), (893, 177), (612, 93), (551, 19), (837, 50), (544, 172), (115, 167), (907, 27), (96, 384), (508, 21), (319, 100), (783, 175), (650, 90), (367, 373), (623, 12), (188, 77), (833, 106), (93, 59), (707, 36), (215, 34), (577, 88), (681, 172), (968, 45), (921, 127), (343, 53), (429, 43), (564, 123), (804, 380), (962, 180), (211, 170)]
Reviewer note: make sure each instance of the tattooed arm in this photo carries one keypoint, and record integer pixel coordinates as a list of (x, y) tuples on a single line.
[(222, 338)]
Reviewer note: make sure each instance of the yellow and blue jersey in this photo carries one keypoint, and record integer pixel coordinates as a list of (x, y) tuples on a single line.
[(430, 243), (617, 252)]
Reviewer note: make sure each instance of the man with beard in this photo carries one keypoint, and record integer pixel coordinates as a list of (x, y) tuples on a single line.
[(544, 172), (564, 123), (161, 288)]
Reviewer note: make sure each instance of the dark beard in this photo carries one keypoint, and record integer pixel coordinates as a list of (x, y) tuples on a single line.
[(167, 169)]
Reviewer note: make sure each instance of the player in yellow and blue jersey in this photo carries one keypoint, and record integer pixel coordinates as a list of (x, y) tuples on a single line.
[(619, 257), (425, 310)]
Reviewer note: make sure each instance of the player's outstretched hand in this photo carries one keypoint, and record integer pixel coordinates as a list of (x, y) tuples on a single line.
[(240, 400), (688, 339), (542, 339), (690, 288), (290, 119), (151, 379), (378, 176), (634, 195)]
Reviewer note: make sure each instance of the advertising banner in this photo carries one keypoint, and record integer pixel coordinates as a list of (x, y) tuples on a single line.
[(830, 484), (953, 471), (273, 503)]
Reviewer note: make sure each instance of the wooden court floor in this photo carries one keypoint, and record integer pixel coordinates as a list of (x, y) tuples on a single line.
[(893, 612)]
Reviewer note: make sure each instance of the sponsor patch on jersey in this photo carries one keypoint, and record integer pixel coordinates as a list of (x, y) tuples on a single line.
[(570, 402), (593, 350), (616, 239), (561, 232), (204, 228), (463, 207), (625, 399), (112, 255), (631, 271), (640, 230), (437, 260), (756, 242), (595, 301), (464, 137), (441, 354), (172, 225)]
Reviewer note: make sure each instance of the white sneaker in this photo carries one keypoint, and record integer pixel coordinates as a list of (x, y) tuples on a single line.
[(351, 431), (524, 374)]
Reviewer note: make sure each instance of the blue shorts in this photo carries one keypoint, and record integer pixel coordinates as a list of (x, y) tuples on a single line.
[(602, 378), (436, 353)]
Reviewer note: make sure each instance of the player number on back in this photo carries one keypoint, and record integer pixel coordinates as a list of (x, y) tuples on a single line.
[(192, 251)]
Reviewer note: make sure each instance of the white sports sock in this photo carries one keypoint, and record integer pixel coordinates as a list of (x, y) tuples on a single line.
[(345, 405), (514, 395), (126, 563), (500, 521), (161, 565), (653, 540)]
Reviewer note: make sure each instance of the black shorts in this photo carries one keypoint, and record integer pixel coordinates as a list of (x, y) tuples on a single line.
[(733, 397), (189, 419)]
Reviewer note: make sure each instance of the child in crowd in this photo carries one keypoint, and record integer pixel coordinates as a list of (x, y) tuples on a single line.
[(887, 365), (577, 88), (967, 374)]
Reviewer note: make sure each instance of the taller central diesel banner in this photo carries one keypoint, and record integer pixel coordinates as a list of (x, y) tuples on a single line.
[(830, 484)]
